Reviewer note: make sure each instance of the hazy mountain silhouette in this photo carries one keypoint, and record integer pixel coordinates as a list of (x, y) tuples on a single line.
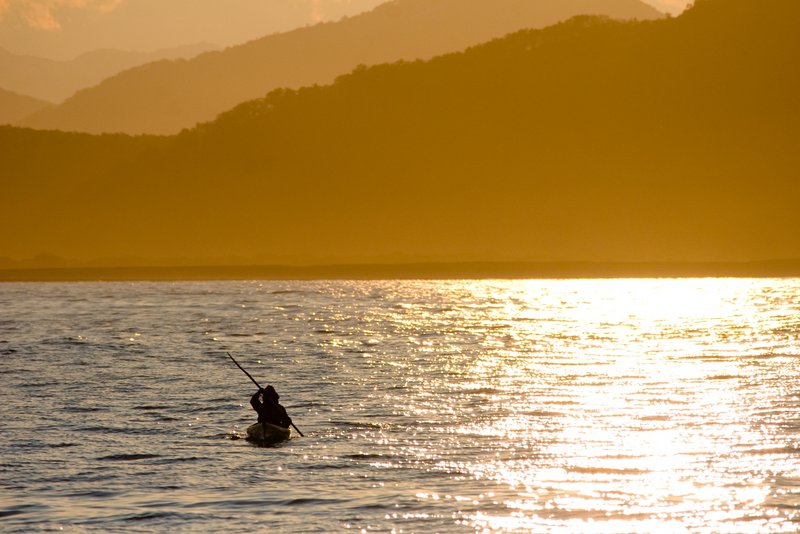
[(79, 26), (593, 140), (165, 97), (14, 107), (54, 81)]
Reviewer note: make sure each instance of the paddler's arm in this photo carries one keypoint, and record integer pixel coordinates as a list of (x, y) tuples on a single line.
[(255, 402)]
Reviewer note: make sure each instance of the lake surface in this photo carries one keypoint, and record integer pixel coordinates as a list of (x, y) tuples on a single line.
[(451, 406)]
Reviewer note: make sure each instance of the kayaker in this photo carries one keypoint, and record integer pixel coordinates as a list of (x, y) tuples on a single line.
[(268, 409)]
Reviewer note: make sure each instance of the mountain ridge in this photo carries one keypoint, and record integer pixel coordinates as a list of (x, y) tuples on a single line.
[(14, 106), (55, 80), (165, 97), (593, 140)]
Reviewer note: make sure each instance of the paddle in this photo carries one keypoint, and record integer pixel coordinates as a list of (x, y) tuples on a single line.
[(257, 385)]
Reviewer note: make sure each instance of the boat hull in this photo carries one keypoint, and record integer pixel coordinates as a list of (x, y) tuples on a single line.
[(267, 433)]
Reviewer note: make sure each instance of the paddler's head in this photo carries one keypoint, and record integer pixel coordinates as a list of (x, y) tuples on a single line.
[(271, 394)]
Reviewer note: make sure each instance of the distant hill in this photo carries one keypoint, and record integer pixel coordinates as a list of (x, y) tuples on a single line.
[(592, 140), (14, 107), (54, 81), (167, 96)]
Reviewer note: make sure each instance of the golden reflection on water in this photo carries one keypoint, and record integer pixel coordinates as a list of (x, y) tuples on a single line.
[(636, 405)]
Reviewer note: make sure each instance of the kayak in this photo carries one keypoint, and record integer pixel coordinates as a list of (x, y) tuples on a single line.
[(267, 433)]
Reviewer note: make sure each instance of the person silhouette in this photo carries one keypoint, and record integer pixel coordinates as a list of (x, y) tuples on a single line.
[(268, 409)]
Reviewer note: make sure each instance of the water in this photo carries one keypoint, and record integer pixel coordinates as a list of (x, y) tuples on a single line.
[(451, 406)]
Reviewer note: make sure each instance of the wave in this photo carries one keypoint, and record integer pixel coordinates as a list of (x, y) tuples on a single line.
[(179, 460), (479, 391), (45, 445), (128, 457), (325, 331), (153, 516), (361, 424), (368, 456), (310, 501), (774, 450), (326, 466), (22, 509), (607, 470), (65, 342), (84, 409)]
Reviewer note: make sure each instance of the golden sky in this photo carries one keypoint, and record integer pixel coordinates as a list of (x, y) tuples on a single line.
[(62, 29)]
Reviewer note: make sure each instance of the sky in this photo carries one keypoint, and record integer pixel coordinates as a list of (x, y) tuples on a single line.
[(63, 29)]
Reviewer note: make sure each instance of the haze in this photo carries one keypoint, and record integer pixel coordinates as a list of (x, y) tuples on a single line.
[(606, 137), (63, 29)]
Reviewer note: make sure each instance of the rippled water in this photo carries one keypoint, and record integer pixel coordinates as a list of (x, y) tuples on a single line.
[(454, 406)]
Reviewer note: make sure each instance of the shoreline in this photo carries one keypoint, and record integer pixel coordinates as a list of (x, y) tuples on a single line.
[(411, 271)]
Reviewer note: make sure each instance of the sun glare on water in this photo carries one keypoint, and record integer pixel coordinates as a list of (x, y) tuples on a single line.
[(631, 405)]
